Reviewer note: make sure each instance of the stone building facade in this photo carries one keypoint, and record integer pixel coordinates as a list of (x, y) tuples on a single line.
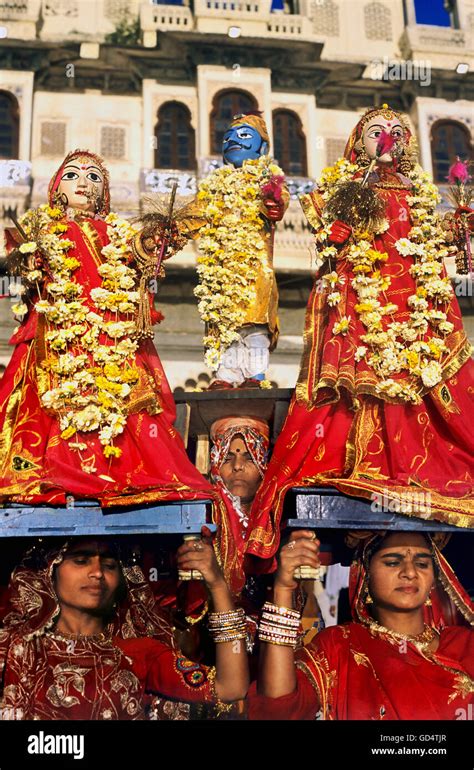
[(149, 86)]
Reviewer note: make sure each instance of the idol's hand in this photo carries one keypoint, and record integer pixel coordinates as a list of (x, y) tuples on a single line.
[(199, 555), (340, 232), (468, 212), (273, 209), (301, 550), (172, 234)]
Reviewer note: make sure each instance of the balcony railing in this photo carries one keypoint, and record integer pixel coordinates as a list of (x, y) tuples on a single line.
[(232, 9), (165, 17), (427, 38), (17, 9), (289, 25)]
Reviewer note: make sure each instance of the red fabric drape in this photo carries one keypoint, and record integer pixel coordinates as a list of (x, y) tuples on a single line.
[(38, 466)]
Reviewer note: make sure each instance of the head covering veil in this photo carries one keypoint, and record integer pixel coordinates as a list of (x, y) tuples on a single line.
[(451, 605), (33, 606)]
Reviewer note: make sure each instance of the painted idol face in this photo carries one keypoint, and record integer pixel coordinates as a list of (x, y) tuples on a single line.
[(372, 131), (242, 143), (82, 183)]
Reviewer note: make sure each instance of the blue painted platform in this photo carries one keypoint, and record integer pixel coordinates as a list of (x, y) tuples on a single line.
[(315, 508), (326, 508), (88, 518)]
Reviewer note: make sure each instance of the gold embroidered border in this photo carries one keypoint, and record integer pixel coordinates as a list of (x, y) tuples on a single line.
[(312, 204), (92, 241), (364, 384)]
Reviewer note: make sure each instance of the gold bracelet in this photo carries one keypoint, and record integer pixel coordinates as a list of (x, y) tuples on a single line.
[(284, 611), (278, 642)]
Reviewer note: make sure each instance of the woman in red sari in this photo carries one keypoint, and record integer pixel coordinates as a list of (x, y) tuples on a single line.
[(85, 407), (84, 639), (402, 657), (386, 389), (239, 454)]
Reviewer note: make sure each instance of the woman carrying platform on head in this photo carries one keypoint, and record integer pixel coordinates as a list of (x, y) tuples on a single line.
[(407, 654)]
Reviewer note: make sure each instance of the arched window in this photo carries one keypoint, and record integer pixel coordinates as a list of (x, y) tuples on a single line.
[(289, 142), (225, 105), (9, 125), (449, 139), (175, 138)]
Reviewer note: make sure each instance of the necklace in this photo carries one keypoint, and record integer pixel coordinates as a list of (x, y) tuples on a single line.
[(422, 639), (102, 636)]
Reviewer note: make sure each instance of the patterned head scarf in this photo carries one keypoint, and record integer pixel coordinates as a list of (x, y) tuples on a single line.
[(86, 156), (450, 602), (255, 435), (33, 605), (229, 516), (253, 119)]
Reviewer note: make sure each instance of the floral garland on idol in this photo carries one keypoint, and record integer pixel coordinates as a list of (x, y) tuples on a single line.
[(232, 249), (415, 347), (91, 381)]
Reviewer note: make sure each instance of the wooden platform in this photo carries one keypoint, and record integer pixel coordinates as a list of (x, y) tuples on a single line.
[(312, 508), (195, 413)]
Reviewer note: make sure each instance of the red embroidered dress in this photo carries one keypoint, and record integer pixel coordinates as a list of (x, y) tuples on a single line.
[(42, 460), (355, 671), (354, 424), (48, 675)]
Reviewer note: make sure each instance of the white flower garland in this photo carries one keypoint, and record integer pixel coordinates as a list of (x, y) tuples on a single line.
[(233, 249), (395, 347), (92, 381)]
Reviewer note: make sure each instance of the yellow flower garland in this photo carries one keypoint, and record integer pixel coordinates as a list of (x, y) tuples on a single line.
[(232, 249), (92, 381), (395, 347)]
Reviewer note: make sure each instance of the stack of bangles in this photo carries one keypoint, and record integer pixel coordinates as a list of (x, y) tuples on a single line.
[(279, 625), (227, 626)]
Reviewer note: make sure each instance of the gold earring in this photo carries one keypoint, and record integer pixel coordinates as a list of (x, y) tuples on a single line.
[(368, 599), (405, 165), (60, 201), (428, 602), (363, 159)]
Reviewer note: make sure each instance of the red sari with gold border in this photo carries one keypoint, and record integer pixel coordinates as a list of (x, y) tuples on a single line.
[(354, 671)]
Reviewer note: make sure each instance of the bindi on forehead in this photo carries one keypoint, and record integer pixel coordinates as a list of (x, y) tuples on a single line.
[(382, 123), (85, 167), (405, 554)]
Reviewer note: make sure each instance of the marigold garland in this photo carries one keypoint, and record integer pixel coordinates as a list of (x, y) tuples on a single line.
[(232, 249), (416, 347), (92, 381)]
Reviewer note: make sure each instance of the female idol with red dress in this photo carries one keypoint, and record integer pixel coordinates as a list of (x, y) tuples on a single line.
[(383, 404), (85, 407)]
